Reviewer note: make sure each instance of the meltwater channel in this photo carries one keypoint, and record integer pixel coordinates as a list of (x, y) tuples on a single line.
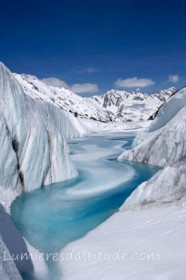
[(55, 215)]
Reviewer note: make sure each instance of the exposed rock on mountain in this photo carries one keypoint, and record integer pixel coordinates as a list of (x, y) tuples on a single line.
[(131, 106), (113, 106)]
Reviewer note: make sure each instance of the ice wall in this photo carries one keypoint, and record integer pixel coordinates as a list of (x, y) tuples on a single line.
[(32, 142), (163, 144)]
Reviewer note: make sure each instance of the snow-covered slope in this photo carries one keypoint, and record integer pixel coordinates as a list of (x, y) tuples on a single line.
[(63, 98), (131, 106), (164, 141), (32, 143), (163, 144), (131, 245), (115, 106), (169, 109)]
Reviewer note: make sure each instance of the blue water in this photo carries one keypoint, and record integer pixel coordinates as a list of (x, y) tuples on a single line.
[(55, 215)]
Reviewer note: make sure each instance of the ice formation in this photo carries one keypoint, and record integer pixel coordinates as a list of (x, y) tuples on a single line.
[(163, 144), (33, 132)]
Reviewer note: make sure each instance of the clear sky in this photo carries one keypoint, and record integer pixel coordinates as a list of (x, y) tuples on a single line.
[(97, 45)]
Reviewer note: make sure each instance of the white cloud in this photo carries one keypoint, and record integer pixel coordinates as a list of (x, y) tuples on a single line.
[(54, 82), (173, 78), (85, 88), (134, 82), (76, 88)]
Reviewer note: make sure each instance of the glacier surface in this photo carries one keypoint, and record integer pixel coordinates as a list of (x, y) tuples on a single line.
[(163, 144), (131, 245), (33, 134), (143, 244), (34, 151)]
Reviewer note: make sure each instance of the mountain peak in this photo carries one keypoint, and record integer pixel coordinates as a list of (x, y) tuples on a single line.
[(133, 105)]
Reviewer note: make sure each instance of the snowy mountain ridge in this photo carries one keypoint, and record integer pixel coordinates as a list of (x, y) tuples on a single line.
[(134, 105), (61, 97), (113, 106)]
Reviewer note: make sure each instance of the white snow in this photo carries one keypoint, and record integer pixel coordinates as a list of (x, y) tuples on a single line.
[(116, 106), (100, 127), (166, 144), (167, 186), (163, 146), (169, 109), (62, 98), (131, 106), (145, 244)]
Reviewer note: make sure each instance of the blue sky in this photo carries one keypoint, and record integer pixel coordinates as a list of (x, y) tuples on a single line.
[(93, 46)]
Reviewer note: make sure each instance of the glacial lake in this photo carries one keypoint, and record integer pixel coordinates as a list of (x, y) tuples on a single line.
[(55, 215)]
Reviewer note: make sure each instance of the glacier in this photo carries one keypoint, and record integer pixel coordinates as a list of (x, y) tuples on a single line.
[(34, 150), (162, 144), (169, 109), (67, 211), (144, 244), (131, 245), (167, 186), (34, 128), (33, 134)]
